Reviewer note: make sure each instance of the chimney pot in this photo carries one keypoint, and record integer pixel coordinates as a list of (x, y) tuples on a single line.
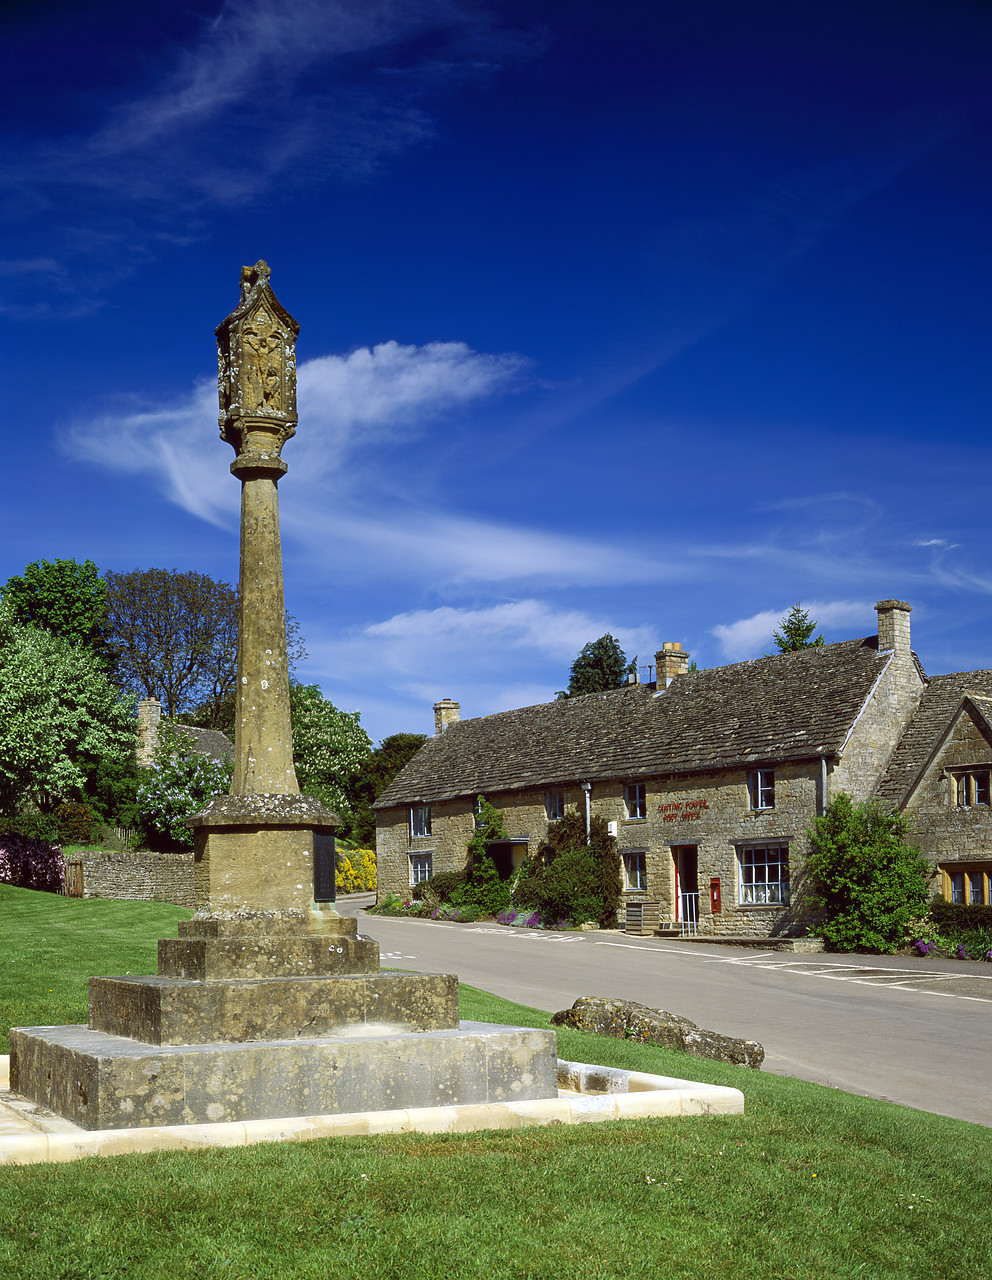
[(893, 625), (446, 712), (670, 660)]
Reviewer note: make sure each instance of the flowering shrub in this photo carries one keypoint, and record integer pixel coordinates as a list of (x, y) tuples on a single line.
[(75, 822), (355, 870), (31, 864), (178, 784), (926, 946)]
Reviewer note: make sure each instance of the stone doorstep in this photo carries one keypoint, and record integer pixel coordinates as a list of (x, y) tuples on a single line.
[(808, 946), (586, 1094)]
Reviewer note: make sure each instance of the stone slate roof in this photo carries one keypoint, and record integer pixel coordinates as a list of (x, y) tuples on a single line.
[(787, 707), (941, 699), (209, 742)]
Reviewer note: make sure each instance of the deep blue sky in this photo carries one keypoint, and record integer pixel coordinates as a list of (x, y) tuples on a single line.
[(650, 318)]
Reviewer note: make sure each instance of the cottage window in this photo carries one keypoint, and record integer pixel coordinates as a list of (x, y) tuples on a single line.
[(636, 799), (554, 803), (967, 883), (764, 874), (761, 788), (420, 820), (970, 788), (420, 867), (635, 874)]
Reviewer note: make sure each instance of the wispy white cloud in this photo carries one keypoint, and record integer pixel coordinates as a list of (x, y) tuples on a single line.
[(426, 654), (357, 412), (346, 403), (939, 544), (267, 92), (750, 637)]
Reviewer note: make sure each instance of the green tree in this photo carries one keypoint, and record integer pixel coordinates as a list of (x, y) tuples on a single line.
[(60, 717), (599, 665), (63, 597), (376, 773), (864, 876), (176, 637), (329, 748), (797, 631)]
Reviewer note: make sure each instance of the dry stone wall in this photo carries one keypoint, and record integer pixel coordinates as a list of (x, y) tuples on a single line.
[(140, 877)]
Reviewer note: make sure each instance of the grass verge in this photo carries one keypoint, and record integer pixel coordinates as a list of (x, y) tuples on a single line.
[(810, 1182)]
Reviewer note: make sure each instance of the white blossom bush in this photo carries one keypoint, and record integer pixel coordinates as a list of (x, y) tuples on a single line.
[(59, 717), (329, 746), (178, 784)]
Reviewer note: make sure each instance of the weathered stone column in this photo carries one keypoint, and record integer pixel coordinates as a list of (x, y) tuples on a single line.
[(256, 850)]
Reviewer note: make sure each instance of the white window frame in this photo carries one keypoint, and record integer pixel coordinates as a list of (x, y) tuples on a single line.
[(420, 862), (635, 799), (957, 886), (761, 788), (976, 880), (554, 803), (635, 870), (420, 821), (754, 885), (970, 788)]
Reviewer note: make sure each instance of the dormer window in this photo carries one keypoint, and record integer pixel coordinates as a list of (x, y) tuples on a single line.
[(761, 788), (970, 788)]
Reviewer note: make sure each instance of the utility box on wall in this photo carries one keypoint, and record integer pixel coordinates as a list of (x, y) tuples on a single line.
[(715, 895)]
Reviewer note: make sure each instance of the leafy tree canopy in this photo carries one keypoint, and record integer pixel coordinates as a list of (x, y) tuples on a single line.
[(797, 631), (864, 876), (176, 635), (601, 664), (377, 772), (63, 597), (59, 717)]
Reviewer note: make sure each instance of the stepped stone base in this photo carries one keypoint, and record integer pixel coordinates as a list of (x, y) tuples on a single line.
[(102, 1081), (162, 1010), (280, 945)]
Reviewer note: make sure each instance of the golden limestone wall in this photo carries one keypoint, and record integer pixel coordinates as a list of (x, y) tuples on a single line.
[(708, 812)]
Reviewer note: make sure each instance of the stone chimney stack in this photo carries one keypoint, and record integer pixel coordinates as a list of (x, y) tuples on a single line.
[(149, 716), (669, 661), (893, 626), (445, 713)]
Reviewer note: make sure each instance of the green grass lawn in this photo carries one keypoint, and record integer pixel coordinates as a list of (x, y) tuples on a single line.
[(810, 1182)]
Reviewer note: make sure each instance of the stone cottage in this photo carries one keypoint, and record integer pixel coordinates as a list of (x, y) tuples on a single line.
[(708, 779), (940, 776)]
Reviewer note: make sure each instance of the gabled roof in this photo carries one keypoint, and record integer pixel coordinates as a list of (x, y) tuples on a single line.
[(939, 707), (788, 707), (208, 742)]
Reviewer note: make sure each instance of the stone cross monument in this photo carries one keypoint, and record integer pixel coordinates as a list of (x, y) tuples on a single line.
[(264, 847), (268, 1003)]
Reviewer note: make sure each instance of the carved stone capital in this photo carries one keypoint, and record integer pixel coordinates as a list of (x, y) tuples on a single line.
[(256, 361)]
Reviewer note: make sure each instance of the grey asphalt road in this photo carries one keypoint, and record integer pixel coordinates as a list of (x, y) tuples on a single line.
[(913, 1032)]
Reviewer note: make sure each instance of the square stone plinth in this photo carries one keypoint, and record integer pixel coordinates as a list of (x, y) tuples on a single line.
[(99, 1081), (256, 852), (164, 1010)]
